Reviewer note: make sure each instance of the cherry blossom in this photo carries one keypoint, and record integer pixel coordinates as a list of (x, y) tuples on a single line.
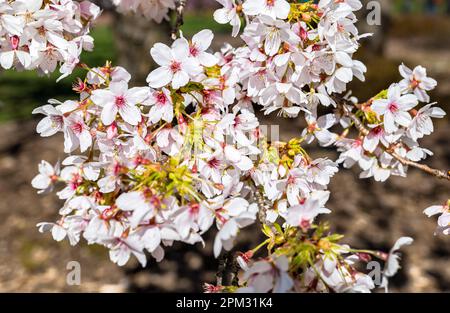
[(444, 217), (47, 176), (169, 162), (304, 213), (229, 14), (422, 125), (120, 99), (417, 81), (395, 108), (264, 276), (392, 262), (233, 215), (273, 8), (199, 44), (176, 66), (76, 134), (162, 106), (37, 34)]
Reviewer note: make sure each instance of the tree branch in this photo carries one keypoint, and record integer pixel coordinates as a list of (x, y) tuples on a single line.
[(223, 259), (343, 105), (181, 4), (263, 207)]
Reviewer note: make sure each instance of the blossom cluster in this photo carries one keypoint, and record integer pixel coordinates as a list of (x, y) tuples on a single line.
[(156, 10), (295, 54), (394, 124), (324, 265), (158, 165), (38, 34), (298, 56), (167, 162)]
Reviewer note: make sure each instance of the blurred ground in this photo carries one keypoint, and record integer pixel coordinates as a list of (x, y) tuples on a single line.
[(371, 215)]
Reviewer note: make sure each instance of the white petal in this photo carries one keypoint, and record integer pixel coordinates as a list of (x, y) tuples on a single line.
[(131, 114), (130, 201), (203, 39), (159, 77), (221, 16), (161, 54), (7, 59), (137, 95), (108, 114), (41, 182), (180, 79), (118, 88), (433, 210), (180, 49), (102, 97), (207, 59)]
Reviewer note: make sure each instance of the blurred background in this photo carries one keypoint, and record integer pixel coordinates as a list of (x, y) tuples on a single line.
[(371, 215)]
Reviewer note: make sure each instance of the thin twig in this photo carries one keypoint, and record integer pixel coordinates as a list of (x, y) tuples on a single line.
[(181, 4), (432, 171), (343, 104)]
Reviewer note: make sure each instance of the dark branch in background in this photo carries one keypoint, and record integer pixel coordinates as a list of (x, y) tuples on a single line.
[(344, 105), (221, 271), (263, 206), (181, 4), (234, 269)]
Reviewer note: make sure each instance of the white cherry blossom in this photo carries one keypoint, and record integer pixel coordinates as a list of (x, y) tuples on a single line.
[(176, 66), (120, 99), (395, 108)]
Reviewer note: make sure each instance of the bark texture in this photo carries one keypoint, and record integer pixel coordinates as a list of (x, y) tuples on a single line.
[(134, 36)]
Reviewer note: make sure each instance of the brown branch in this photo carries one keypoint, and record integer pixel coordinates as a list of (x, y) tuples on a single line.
[(343, 104), (263, 207), (234, 269), (179, 21), (432, 171), (223, 259)]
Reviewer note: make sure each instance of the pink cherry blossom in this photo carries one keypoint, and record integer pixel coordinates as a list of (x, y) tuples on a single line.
[(395, 109), (119, 99), (176, 66)]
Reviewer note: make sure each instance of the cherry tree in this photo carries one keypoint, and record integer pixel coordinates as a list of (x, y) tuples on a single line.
[(169, 161)]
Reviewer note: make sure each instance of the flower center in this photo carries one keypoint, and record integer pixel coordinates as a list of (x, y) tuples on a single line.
[(193, 50), (206, 96), (303, 34), (161, 98), (120, 101), (357, 143), (305, 224), (393, 107), (175, 66), (76, 181), (291, 180), (194, 209), (237, 121), (57, 120), (312, 127), (270, 3), (377, 131), (214, 163), (415, 83), (77, 128)]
